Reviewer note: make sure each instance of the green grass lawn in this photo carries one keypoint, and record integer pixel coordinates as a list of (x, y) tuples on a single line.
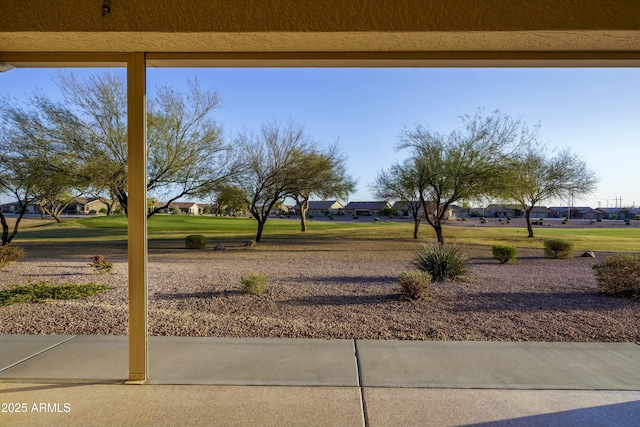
[(177, 227)]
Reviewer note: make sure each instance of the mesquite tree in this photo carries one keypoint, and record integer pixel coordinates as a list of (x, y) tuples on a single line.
[(464, 164), (536, 175)]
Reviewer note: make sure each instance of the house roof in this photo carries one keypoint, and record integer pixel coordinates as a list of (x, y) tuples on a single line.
[(565, 208), (539, 209), (614, 210), (85, 200), (511, 206), (368, 205), (403, 205), (179, 205), (584, 210), (323, 204)]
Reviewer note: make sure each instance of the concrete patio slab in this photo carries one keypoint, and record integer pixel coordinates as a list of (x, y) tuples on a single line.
[(82, 358), (535, 408), (498, 365), (254, 361), (185, 360), (17, 348), (113, 405)]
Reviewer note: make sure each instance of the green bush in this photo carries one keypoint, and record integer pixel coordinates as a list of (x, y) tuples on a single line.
[(504, 253), (414, 284), (43, 291), (441, 262), (9, 254), (254, 283), (619, 275), (195, 241), (558, 248), (356, 217)]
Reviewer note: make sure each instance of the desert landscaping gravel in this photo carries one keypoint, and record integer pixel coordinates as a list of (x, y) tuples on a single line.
[(322, 289)]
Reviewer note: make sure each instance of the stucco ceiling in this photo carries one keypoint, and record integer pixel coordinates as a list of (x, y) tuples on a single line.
[(233, 31)]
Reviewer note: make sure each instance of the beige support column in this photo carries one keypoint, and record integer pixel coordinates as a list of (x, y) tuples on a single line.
[(137, 214)]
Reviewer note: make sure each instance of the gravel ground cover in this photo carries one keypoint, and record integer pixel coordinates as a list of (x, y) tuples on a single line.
[(323, 289)]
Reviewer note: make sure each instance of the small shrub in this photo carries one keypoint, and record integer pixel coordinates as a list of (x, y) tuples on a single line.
[(441, 262), (376, 219), (310, 216), (43, 291), (414, 284), (9, 254), (195, 241), (619, 275), (504, 253), (356, 217), (558, 248), (101, 264), (599, 220), (254, 284)]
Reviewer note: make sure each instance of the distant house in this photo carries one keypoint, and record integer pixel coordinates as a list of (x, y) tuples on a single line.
[(188, 208), (504, 211), (620, 213), (589, 213), (322, 207), (84, 205), (403, 210), (14, 207), (570, 212), (460, 212), (539, 212), (366, 208)]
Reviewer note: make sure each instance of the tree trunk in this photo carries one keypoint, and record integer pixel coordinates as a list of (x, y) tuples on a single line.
[(304, 208), (123, 200), (437, 226), (5, 230), (6, 237), (529, 227), (416, 225), (260, 228)]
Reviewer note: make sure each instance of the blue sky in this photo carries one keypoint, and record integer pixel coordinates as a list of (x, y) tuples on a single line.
[(594, 112)]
